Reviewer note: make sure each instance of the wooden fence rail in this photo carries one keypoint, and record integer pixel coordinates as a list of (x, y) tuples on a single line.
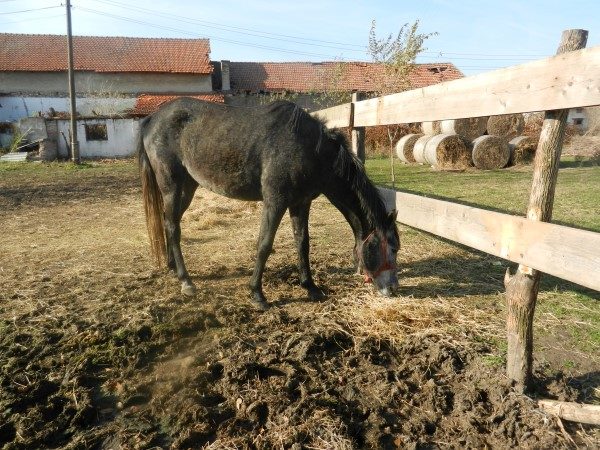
[(569, 80), (568, 253)]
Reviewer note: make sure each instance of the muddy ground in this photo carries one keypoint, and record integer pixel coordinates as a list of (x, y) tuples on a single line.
[(100, 350)]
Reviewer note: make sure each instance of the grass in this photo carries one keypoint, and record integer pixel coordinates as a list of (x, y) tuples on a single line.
[(505, 190)]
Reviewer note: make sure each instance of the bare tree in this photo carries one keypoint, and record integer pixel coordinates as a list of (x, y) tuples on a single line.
[(397, 55)]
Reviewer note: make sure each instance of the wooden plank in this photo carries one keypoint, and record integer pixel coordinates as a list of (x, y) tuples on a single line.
[(576, 412), (336, 116), (564, 252), (564, 81)]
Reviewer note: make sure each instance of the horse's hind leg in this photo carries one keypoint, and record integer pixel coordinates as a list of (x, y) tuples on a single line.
[(187, 194), (172, 191), (299, 215), (272, 213)]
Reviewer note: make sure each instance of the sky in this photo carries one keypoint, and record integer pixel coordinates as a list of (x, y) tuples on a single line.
[(476, 36)]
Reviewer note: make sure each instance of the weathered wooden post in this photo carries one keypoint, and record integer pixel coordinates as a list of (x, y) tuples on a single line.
[(358, 133), (522, 287)]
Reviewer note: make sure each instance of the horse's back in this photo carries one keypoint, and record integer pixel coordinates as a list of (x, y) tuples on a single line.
[(233, 150)]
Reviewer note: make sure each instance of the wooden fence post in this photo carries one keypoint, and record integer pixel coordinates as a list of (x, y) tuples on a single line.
[(522, 287), (358, 133)]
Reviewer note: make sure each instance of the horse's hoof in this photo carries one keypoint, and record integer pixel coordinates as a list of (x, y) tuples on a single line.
[(259, 302), (188, 289), (316, 294)]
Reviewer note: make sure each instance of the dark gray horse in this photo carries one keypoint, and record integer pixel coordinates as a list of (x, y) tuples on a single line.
[(278, 154)]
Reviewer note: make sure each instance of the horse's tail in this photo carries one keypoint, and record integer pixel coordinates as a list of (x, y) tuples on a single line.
[(153, 203)]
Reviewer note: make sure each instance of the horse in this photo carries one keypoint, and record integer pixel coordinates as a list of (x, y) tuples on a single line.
[(278, 154)]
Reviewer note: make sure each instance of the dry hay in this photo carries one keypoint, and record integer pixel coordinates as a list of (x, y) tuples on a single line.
[(447, 151), (469, 128), (405, 146), (490, 152), (507, 126), (431, 128), (522, 150), (395, 319), (419, 149)]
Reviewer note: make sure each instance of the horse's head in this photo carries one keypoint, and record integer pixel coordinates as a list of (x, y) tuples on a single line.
[(377, 257)]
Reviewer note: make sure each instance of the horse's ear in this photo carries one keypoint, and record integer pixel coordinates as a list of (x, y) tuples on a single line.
[(392, 216)]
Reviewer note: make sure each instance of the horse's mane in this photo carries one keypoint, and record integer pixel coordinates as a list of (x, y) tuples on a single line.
[(348, 167)]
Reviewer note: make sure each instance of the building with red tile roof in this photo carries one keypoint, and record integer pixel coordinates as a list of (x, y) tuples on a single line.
[(111, 72), (32, 64)]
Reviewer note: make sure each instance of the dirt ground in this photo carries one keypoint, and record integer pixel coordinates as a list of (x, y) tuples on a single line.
[(100, 350)]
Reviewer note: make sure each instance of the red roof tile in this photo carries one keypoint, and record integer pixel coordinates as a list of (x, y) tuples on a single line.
[(149, 103), (310, 77), (48, 53)]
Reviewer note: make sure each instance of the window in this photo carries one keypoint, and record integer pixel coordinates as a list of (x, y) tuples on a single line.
[(96, 132), (577, 121)]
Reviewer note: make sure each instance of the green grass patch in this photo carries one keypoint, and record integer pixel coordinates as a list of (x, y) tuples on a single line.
[(506, 190)]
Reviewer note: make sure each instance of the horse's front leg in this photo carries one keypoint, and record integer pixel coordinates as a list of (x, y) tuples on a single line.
[(271, 218), (299, 215)]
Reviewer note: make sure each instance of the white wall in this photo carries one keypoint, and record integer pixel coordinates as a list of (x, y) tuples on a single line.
[(13, 108), (97, 84), (122, 135)]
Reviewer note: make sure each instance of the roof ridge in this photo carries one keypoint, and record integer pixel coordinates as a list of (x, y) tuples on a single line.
[(105, 37)]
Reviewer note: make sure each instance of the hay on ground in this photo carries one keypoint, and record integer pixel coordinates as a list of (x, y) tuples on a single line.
[(431, 128), (469, 128), (490, 152), (404, 147), (447, 152), (507, 126), (419, 149), (522, 150)]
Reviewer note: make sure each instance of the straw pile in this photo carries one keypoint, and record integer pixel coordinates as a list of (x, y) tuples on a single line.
[(431, 128), (405, 146), (468, 128), (522, 150), (490, 152), (507, 126), (447, 152), (419, 149)]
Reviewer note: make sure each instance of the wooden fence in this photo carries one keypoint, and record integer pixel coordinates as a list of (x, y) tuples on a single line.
[(569, 80)]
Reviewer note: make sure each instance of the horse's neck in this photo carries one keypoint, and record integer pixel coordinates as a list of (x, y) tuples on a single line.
[(346, 200)]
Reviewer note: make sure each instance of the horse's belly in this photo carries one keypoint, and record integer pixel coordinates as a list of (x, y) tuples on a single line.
[(233, 185)]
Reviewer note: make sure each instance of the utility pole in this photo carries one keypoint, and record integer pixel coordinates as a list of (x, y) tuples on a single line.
[(74, 141)]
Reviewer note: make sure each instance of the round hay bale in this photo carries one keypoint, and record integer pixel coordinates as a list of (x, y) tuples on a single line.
[(419, 149), (522, 150), (431, 128), (490, 152), (447, 152), (506, 126), (404, 147), (468, 128)]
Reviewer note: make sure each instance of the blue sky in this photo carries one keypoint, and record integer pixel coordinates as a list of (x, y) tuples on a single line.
[(477, 36)]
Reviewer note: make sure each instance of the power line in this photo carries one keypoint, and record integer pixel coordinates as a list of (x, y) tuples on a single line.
[(304, 41), (178, 30), (30, 10), (232, 28), (32, 19)]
